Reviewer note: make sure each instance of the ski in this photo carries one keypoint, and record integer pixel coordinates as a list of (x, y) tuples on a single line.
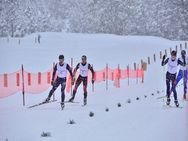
[(74, 102), (41, 103), (170, 106), (71, 102), (83, 105), (62, 106), (161, 97)]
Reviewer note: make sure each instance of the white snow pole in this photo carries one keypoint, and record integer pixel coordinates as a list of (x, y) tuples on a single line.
[(185, 45)]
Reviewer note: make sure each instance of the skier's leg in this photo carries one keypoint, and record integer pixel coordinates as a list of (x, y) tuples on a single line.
[(63, 86), (174, 89), (168, 91), (55, 86), (175, 93), (185, 84), (78, 82), (85, 90), (179, 77)]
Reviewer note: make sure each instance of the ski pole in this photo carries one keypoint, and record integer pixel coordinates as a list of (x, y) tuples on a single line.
[(93, 87)]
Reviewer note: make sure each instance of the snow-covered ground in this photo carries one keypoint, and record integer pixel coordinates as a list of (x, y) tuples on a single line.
[(141, 120)]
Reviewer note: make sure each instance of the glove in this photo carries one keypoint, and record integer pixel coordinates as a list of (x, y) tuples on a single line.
[(52, 82), (92, 81), (164, 56)]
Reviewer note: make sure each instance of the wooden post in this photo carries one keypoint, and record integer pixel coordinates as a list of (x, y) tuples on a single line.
[(128, 74), (148, 60), (170, 49), (154, 57), (23, 87), (165, 52), (142, 63), (39, 78), (185, 45), (142, 75), (180, 47), (18, 79), (107, 76), (135, 70), (119, 76), (176, 48), (134, 66), (161, 55), (5, 80), (137, 73)]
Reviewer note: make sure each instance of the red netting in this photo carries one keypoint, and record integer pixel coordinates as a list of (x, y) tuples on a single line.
[(35, 83), (10, 83)]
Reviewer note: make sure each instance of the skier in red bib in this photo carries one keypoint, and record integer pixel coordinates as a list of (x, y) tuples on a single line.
[(83, 77)]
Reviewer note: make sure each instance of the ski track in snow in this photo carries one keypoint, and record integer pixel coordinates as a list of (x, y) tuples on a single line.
[(141, 120)]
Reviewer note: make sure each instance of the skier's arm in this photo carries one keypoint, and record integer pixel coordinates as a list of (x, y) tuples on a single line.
[(182, 63), (54, 72), (92, 71), (70, 70), (77, 67), (164, 62)]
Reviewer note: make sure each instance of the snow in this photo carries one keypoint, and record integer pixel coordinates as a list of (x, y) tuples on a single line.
[(142, 120)]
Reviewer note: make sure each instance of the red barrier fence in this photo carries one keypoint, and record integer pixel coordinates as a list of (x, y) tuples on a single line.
[(34, 83)]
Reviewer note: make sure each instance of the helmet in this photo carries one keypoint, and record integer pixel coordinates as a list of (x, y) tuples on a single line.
[(61, 56), (173, 53), (183, 52)]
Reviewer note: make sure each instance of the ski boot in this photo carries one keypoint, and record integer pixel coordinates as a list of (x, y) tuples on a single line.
[(176, 103), (85, 101), (62, 105), (71, 99), (168, 102), (184, 97), (47, 100)]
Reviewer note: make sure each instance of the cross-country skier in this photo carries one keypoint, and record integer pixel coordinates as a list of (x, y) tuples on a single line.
[(61, 69), (183, 73), (83, 77), (173, 63)]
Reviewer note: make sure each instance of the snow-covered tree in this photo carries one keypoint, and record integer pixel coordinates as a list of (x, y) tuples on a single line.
[(165, 18)]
